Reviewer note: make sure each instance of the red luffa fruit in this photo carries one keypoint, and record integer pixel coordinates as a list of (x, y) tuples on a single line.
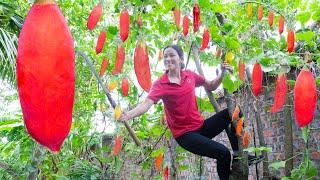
[(305, 97), (124, 25), (158, 162), (281, 24), (176, 14), (196, 17), (257, 76), (280, 93), (139, 22), (117, 145), (125, 86), (260, 12), (94, 16), (100, 42), (242, 68), (166, 173), (46, 74), (185, 25), (290, 40), (120, 56), (141, 66), (270, 18), (205, 39), (239, 127), (104, 66), (246, 140)]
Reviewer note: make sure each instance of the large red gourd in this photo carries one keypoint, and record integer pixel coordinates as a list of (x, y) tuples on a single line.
[(196, 17), (281, 24), (290, 40), (185, 25), (205, 39), (305, 97), (280, 94), (257, 76), (141, 66), (46, 74), (94, 16), (176, 14), (124, 25), (125, 86), (100, 42), (120, 57)]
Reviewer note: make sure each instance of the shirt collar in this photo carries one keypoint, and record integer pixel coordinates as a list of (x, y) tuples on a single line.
[(164, 79)]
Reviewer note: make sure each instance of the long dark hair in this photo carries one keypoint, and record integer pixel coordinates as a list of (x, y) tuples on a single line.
[(179, 50)]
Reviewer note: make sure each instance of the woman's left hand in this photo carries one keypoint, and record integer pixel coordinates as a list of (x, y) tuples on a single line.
[(225, 67)]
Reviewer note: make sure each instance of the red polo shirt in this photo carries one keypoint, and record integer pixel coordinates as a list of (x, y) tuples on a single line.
[(180, 104)]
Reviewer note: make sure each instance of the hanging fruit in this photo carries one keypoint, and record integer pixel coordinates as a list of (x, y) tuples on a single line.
[(229, 57), (196, 17), (139, 22), (120, 57), (176, 14), (305, 97), (117, 112), (235, 114), (260, 12), (185, 25), (94, 16), (290, 40), (205, 39), (158, 162), (280, 93), (124, 25), (117, 146), (249, 10), (46, 74), (242, 68), (257, 76), (141, 66), (239, 127), (104, 66), (100, 42), (246, 140), (125, 86), (270, 18), (112, 85), (166, 173), (281, 24)]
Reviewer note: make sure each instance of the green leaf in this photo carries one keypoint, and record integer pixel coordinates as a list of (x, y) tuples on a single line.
[(9, 125), (183, 167), (305, 36), (303, 17), (316, 16), (230, 83), (318, 81), (204, 4), (217, 7), (232, 43), (277, 165)]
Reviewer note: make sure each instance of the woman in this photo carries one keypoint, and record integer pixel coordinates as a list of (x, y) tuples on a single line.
[(176, 88)]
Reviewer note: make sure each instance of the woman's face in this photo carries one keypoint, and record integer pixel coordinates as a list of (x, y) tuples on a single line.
[(172, 61)]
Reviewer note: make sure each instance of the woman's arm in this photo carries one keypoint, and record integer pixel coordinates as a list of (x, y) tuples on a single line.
[(138, 110), (214, 84)]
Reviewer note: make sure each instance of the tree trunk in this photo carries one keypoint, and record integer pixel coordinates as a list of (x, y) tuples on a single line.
[(266, 173), (288, 146)]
